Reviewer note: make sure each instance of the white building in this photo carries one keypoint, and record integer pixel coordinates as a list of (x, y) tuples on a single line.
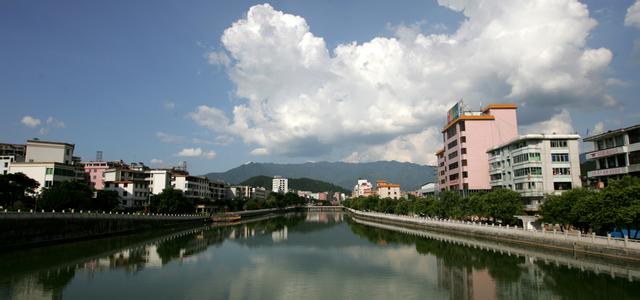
[(616, 154), (131, 186), (280, 185), (388, 190), (259, 193), (45, 151), (45, 173), (5, 161), (194, 187), (536, 165), (428, 188), (217, 189), (363, 188), (158, 180)]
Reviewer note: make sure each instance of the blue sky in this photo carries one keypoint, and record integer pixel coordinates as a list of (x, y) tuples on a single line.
[(144, 80)]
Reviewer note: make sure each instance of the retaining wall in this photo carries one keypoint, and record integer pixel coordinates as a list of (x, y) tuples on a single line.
[(37, 228)]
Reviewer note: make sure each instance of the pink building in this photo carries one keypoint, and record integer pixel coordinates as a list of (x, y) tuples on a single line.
[(463, 162), (94, 170)]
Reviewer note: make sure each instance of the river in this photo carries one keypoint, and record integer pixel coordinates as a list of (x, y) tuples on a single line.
[(313, 255)]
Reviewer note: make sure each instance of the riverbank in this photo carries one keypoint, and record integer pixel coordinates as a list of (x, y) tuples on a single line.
[(580, 244)]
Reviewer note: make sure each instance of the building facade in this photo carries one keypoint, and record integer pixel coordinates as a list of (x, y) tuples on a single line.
[(5, 161), (463, 162), (45, 173), (388, 190), (536, 165), (94, 171), (218, 190), (46, 151), (280, 185), (616, 153), (194, 187), (363, 188), (131, 186)]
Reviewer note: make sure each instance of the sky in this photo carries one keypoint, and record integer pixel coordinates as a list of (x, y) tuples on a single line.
[(222, 83)]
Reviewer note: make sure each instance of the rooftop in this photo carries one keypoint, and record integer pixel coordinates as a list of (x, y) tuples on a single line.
[(49, 142), (610, 133), (537, 137)]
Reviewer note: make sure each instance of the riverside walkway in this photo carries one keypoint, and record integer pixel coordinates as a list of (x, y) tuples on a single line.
[(582, 243)]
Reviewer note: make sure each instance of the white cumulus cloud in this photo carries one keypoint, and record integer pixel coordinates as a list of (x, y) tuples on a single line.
[(560, 123), (156, 161), (55, 122), (196, 152), (30, 121), (632, 18), (387, 98)]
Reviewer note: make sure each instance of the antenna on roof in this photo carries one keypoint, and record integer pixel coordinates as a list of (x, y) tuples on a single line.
[(99, 155)]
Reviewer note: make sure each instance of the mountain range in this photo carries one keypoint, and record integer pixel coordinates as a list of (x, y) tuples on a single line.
[(410, 176), (299, 184)]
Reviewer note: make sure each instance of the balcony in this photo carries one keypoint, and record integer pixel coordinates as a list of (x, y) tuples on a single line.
[(608, 172), (606, 152), (526, 149)]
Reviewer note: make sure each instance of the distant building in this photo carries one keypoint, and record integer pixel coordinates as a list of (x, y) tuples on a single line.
[(463, 162), (131, 186), (18, 151), (388, 190), (363, 188), (616, 154), (427, 189), (280, 185), (158, 180), (259, 193), (536, 165), (94, 171)]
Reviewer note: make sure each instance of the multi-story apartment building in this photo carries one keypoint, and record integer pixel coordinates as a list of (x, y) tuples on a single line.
[(47, 163), (280, 185), (616, 153), (387, 190), (463, 163), (363, 188), (217, 189), (131, 186), (194, 187), (259, 193), (159, 180), (536, 165), (18, 151)]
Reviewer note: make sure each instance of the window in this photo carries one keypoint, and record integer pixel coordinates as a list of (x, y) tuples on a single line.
[(519, 186), (464, 162), (68, 151), (558, 143), (496, 176), (463, 150), (462, 128), (463, 139), (561, 186), (124, 193), (452, 144), (454, 176), (634, 157), (48, 183), (126, 185), (534, 156), (451, 132), (634, 136), (453, 154), (527, 171), (600, 144), (559, 157), (619, 140), (561, 171), (465, 174), (49, 171), (453, 166)]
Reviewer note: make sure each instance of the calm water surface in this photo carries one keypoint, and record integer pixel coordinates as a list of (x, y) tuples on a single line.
[(304, 256)]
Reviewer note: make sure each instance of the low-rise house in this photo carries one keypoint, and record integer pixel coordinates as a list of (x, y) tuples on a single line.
[(388, 190)]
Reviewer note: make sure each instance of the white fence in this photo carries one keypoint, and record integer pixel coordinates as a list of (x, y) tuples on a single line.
[(42, 214), (585, 239)]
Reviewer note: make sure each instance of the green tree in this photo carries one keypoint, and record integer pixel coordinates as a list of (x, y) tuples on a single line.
[(449, 205), (17, 190), (171, 201), (105, 200), (402, 207), (65, 195), (622, 201), (504, 204)]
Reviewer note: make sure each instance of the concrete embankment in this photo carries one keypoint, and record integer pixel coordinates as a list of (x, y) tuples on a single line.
[(33, 229), (580, 244)]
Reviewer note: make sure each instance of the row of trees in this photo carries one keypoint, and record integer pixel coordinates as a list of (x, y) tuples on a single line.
[(615, 207), (499, 205), (274, 200)]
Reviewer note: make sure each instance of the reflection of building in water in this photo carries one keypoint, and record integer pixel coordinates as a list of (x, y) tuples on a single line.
[(324, 217), (280, 235), (470, 283), (466, 283)]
